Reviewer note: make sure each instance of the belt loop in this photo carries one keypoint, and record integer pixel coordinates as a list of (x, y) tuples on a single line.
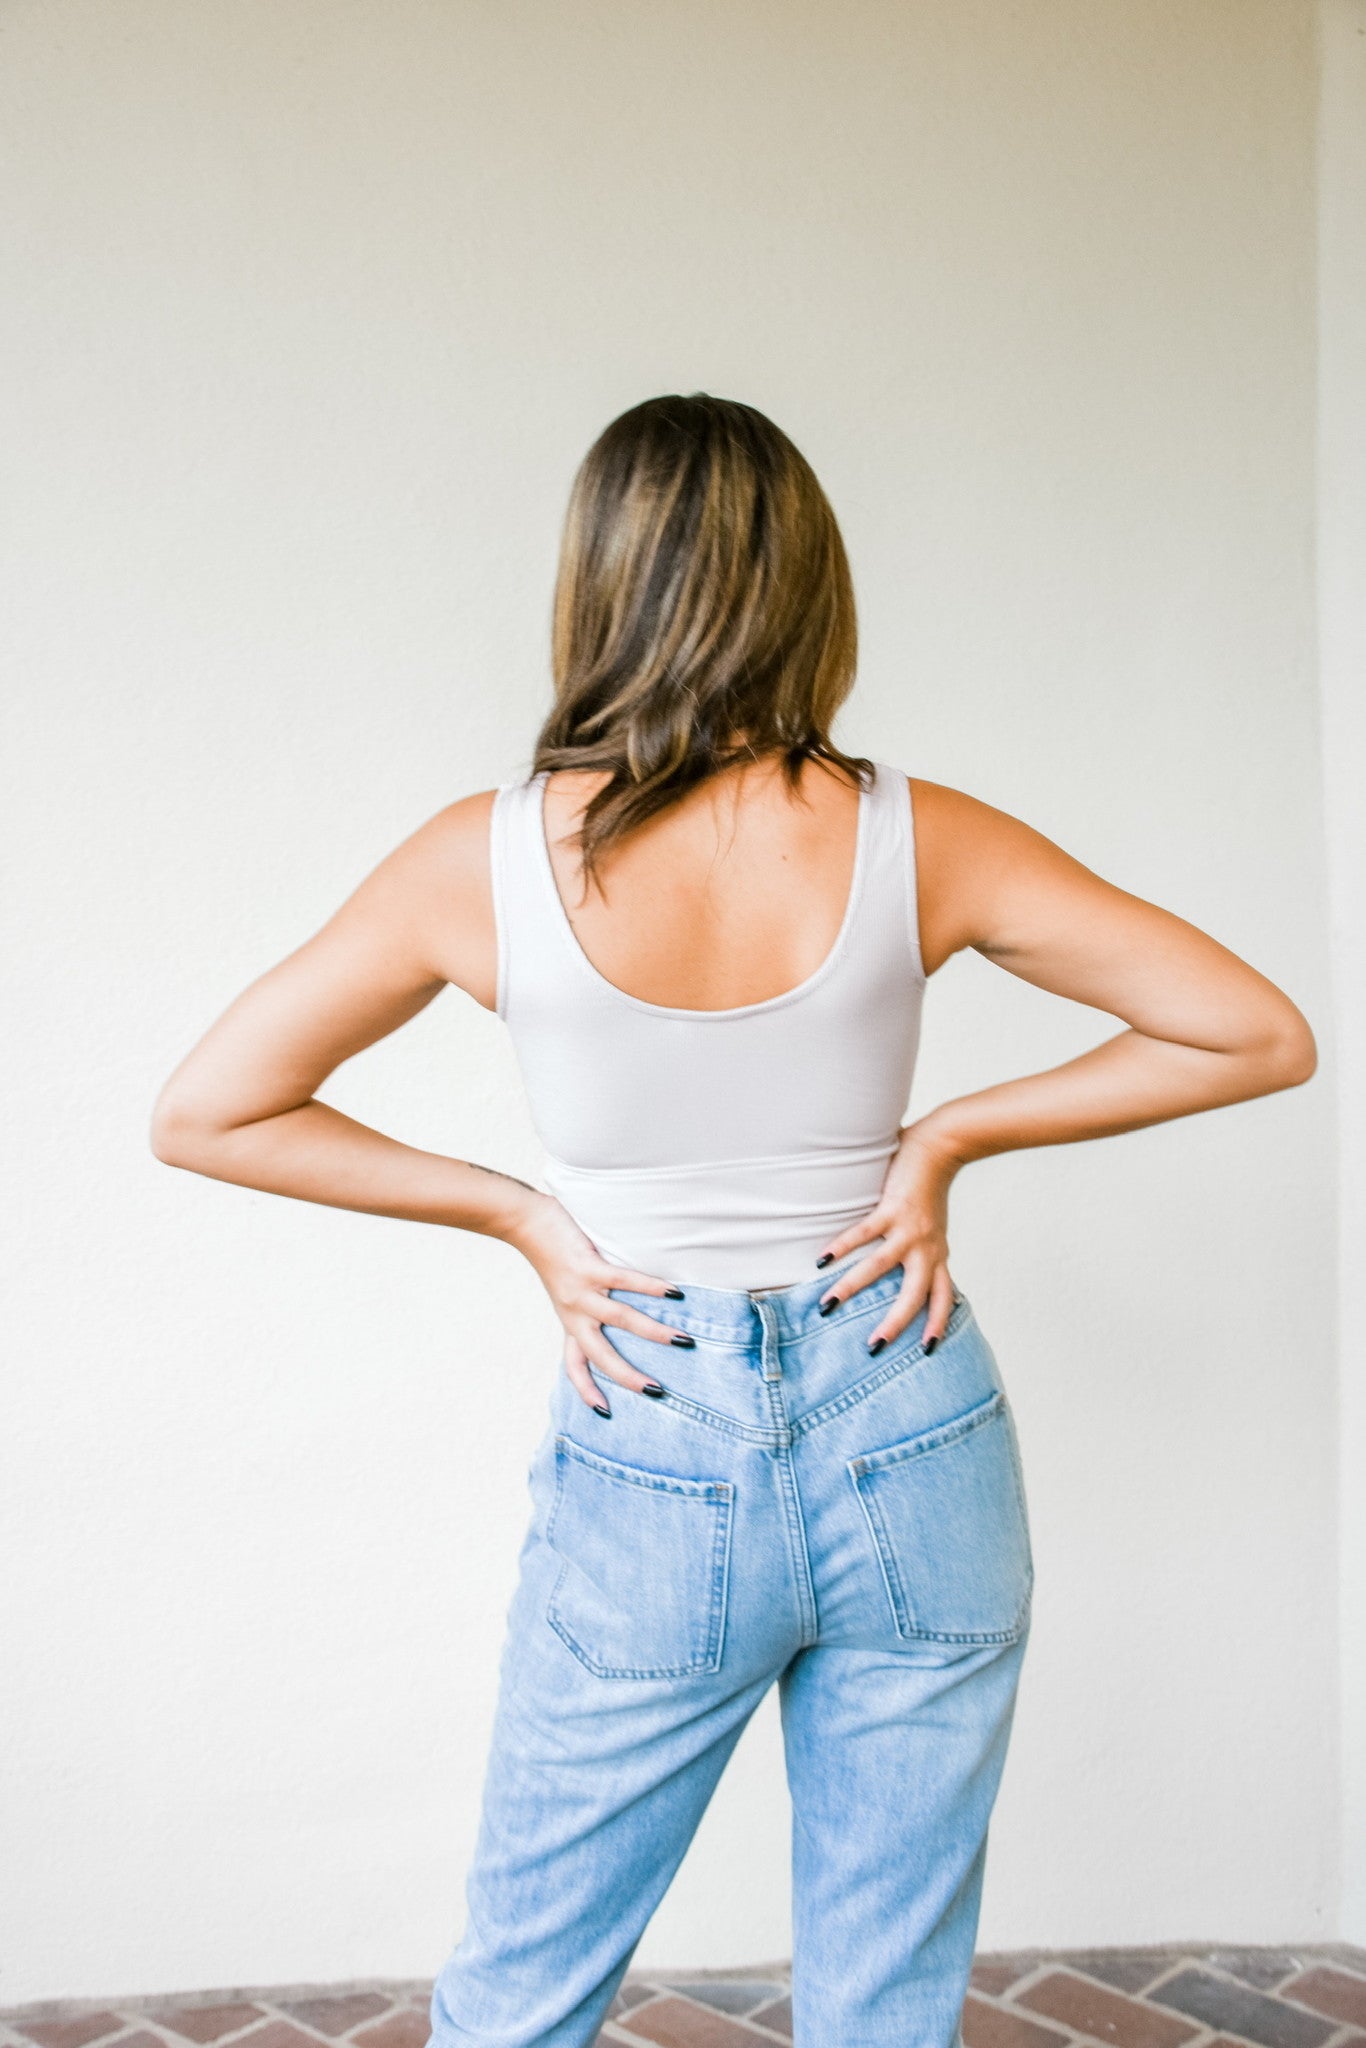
[(769, 1353)]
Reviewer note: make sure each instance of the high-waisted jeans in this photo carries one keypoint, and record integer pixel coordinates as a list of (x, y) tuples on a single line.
[(793, 1509)]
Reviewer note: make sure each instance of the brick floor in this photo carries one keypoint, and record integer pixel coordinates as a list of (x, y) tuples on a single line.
[(1187, 1997)]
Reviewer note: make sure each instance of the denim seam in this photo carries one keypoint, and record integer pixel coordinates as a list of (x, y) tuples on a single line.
[(1017, 1472), (711, 1418), (729, 1338), (899, 1362), (994, 1408), (637, 1475), (930, 1440), (901, 1611), (720, 1582), (798, 1554), (717, 1494), (859, 1308), (861, 1311)]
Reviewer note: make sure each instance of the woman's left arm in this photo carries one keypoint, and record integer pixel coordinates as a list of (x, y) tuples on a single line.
[(1204, 1028)]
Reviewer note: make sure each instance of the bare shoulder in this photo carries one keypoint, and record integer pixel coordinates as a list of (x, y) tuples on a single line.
[(443, 859), (976, 866), (453, 844), (433, 896), (950, 823)]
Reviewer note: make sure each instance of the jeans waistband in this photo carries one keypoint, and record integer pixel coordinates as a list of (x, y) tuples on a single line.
[(733, 1315)]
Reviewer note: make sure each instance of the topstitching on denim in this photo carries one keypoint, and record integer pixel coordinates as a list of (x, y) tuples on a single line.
[(714, 1497), (991, 1414), (897, 1361), (876, 1569), (731, 1318), (799, 1555), (903, 1354), (905, 1357)]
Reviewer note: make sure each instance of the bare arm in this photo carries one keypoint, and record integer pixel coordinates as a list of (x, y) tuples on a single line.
[(1204, 1029), (242, 1106)]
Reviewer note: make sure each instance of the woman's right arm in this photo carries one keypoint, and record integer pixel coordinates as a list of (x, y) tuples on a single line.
[(1204, 1029), (242, 1106)]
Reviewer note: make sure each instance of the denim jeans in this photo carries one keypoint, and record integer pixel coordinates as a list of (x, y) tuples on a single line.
[(794, 1509)]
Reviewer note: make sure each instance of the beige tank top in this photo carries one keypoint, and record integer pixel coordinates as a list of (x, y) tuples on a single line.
[(722, 1147)]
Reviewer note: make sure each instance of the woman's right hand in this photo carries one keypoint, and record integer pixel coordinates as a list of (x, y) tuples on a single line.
[(576, 1277)]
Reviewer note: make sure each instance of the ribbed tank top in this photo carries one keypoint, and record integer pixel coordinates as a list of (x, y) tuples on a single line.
[(722, 1147)]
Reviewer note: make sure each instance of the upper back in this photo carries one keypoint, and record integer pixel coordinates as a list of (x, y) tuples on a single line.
[(725, 898), (750, 979), (731, 896)]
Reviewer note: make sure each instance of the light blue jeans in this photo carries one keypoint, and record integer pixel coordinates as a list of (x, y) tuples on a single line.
[(793, 1509)]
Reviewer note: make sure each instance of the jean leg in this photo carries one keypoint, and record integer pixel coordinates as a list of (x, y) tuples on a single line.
[(594, 1788), (894, 1759)]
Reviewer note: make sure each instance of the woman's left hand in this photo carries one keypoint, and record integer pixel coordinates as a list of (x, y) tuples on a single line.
[(911, 1220)]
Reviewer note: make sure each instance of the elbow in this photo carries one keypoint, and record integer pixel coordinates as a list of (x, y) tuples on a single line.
[(1293, 1057), (165, 1137), (176, 1138), (1303, 1058)]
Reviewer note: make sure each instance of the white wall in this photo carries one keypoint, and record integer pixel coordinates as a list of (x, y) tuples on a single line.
[(313, 308), (1342, 665)]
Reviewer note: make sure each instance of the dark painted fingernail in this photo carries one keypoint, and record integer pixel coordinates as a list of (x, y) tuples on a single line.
[(825, 1259), (601, 1408), (673, 1294), (878, 1344), (930, 1343), (652, 1387), (683, 1341), (833, 1302)]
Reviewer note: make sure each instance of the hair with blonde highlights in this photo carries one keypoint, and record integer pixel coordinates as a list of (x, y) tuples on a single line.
[(704, 613)]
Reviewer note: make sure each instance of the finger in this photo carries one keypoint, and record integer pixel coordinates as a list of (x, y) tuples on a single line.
[(942, 1298), (910, 1298), (581, 1379), (623, 1318), (638, 1283), (609, 1362), (862, 1275), (849, 1240)]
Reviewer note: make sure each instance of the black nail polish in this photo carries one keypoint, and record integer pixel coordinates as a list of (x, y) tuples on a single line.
[(930, 1343), (683, 1341), (878, 1344), (825, 1259), (601, 1408), (673, 1294), (652, 1387), (826, 1306)]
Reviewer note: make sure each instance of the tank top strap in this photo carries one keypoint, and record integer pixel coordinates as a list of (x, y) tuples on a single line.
[(519, 871), (889, 910), (532, 929)]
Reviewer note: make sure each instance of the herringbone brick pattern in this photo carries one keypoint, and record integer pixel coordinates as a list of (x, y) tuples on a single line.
[(1099, 1998)]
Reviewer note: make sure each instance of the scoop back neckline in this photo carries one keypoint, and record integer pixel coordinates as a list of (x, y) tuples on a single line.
[(735, 1011)]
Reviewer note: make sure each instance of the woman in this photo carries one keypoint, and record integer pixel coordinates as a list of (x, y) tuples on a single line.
[(780, 1448)]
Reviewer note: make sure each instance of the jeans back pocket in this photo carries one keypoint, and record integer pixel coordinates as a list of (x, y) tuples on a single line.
[(946, 1512), (644, 1556)]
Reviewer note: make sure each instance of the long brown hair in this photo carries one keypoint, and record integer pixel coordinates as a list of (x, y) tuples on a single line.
[(704, 612)]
